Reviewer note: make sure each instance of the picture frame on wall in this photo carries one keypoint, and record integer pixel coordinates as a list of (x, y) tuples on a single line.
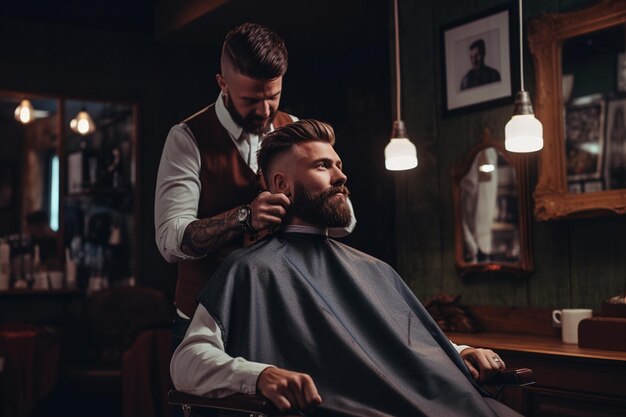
[(584, 138), (480, 61), (615, 166)]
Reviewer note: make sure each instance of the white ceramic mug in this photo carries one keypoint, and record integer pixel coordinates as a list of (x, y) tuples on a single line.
[(568, 319)]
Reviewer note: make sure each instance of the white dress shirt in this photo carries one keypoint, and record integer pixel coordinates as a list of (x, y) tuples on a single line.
[(200, 366), (178, 182)]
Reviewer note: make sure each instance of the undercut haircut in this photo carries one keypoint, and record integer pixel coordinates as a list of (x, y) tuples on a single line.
[(283, 138), (256, 51)]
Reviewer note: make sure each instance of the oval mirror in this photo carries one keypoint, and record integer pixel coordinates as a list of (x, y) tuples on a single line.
[(491, 211)]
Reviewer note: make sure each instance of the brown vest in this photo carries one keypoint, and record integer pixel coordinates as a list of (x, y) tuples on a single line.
[(226, 182)]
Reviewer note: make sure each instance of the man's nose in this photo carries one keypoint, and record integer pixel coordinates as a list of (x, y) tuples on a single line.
[(339, 178), (263, 109)]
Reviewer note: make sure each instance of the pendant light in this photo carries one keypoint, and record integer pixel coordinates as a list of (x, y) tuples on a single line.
[(83, 123), (400, 153), (523, 133), (25, 113)]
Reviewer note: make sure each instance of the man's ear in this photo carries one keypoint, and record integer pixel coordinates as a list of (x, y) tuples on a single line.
[(221, 82), (280, 183)]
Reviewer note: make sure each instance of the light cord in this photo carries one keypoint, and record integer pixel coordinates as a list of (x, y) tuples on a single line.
[(521, 52), (397, 42)]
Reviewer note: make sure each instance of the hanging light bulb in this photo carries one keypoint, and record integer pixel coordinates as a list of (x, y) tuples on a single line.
[(25, 113), (400, 153), (83, 123), (523, 133)]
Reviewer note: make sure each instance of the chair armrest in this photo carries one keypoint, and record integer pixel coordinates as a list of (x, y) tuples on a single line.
[(236, 402), (516, 377)]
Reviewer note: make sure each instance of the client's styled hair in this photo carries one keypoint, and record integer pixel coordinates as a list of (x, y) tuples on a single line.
[(283, 138)]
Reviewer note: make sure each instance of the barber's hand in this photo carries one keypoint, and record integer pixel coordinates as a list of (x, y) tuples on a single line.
[(268, 210), (482, 363), (288, 390)]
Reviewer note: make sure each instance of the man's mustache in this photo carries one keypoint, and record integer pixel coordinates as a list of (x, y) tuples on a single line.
[(342, 189)]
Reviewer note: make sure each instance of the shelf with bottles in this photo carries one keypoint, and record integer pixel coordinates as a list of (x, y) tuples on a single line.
[(100, 241), (99, 201)]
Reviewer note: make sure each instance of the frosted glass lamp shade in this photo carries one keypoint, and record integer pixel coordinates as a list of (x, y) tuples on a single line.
[(400, 155), (25, 113), (83, 123), (523, 133)]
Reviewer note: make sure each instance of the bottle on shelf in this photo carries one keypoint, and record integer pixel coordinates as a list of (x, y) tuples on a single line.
[(5, 265)]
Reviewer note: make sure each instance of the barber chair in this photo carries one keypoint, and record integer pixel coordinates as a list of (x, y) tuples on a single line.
[(242, 405)]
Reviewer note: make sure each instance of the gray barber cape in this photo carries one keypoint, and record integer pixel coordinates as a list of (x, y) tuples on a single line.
[(310, 304)]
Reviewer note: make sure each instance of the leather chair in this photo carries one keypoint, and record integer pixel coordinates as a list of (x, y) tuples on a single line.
[(241, 405)]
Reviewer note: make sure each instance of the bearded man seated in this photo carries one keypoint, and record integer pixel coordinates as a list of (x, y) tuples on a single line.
[(319, 327)]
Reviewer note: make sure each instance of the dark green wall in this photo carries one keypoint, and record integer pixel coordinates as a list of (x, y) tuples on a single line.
[(578, 262)]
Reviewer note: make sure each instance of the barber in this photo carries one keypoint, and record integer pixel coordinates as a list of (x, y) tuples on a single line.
[(208, 192)]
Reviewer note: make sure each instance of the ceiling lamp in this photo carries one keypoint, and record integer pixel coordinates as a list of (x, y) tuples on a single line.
[(400, 153), (25, 113), (83, 123), (523, 133)]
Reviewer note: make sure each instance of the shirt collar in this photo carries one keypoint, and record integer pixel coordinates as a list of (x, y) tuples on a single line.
[(233, 129), (298, 228)]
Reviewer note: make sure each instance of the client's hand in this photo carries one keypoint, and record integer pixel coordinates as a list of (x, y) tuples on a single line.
[(482, 363), (288, 390)]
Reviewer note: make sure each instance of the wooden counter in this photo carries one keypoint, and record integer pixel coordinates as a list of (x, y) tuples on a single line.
[(570, 381)]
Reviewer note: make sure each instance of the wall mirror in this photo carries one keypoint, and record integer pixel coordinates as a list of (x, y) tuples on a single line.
[(491, 211), (67, 191), (580, 67)]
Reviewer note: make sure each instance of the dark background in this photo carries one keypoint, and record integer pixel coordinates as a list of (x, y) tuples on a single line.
[(340, 71)]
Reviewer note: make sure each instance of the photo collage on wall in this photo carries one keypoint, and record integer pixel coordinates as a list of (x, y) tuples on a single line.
[(595, 136)]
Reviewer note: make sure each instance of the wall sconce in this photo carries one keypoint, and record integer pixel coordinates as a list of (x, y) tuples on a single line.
[(400, 153), (25, 113), (83, 123), (523, 133)]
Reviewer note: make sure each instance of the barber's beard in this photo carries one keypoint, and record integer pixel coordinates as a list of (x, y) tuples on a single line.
[(250, 122), (322, 208)]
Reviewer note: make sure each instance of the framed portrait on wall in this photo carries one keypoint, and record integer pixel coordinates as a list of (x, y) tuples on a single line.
[(480, 61), (615, 166), (584, 138)]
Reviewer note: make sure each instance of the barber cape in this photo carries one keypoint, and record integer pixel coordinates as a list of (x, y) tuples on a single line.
[(310, 304)]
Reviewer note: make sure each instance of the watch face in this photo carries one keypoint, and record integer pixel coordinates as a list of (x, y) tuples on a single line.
[(242, 214)]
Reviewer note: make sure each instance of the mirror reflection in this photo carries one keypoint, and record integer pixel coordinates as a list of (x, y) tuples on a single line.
[(29, 169), (67, 193), (489, 210), (594, 101)]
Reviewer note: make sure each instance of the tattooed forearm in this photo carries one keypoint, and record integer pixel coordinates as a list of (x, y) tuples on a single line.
[(206, 235)]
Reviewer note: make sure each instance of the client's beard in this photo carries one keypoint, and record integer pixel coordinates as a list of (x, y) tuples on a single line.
[(322, 208), (247, 122)]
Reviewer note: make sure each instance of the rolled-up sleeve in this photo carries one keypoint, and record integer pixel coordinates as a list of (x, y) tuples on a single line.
[(177, 192)]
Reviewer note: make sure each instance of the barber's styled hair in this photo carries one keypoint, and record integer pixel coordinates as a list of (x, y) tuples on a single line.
[(283, 138), (256, 51)]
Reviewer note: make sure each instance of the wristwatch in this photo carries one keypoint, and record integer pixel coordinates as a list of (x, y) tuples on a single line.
[(243, 218)]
